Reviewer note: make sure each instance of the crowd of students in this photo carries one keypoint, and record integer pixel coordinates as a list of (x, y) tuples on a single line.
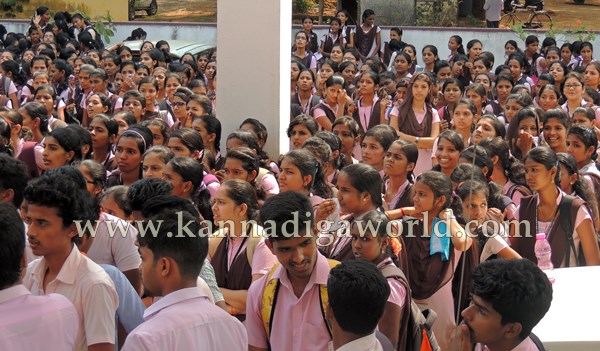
[(456, 147)]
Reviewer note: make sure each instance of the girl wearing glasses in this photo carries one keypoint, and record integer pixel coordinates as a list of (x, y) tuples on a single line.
[(573, 90)]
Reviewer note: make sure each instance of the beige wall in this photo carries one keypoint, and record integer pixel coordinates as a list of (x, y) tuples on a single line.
[(95, 8), (253, 80)]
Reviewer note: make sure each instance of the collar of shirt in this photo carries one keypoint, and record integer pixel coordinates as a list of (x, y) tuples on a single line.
[(558, 198), (366, 343), (319, 274), (525, 345), (67, 272), (13, 292), (174, 298)]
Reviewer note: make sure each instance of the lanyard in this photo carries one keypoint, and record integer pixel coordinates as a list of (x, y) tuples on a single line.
[(305, 108), (366, 120)]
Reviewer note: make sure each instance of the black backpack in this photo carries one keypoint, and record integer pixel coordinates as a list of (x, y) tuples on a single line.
[(97, 37), (419, 323)]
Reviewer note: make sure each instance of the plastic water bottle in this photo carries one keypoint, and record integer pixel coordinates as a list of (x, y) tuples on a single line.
[(543, 253)]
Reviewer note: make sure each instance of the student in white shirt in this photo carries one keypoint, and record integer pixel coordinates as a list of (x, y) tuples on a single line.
[(28, 322), (55, 203), (184, 318)]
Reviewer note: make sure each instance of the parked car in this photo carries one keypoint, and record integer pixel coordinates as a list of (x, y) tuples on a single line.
[(150, 6), (178, 47)]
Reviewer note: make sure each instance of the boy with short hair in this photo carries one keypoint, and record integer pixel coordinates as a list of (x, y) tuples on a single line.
[(510, 297), (28, 322), (285, 308), (184, 318), (55, 203), (357, 293)]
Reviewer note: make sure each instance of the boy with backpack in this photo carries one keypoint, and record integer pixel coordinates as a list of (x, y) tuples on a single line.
[(285, 309)]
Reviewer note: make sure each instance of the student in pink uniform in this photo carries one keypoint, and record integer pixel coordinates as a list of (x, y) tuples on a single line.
[(184, 318), (297, 320)]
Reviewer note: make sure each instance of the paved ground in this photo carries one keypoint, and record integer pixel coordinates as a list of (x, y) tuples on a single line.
[(565, 13)]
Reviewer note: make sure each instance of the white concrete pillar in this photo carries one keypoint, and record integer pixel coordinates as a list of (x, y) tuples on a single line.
[(253, 67)]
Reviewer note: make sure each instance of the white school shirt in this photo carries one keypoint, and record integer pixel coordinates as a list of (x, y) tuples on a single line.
[(90, 290), (186, 320)]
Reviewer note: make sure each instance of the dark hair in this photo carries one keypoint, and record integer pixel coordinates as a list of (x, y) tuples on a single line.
[(164, 153), (587, 136), (85, 138), (162, 202), (189, 252), (18, 76), (513, 168), (454, 137), (190, 139), (365, 178), (149, 80), (479, 157), (257, 127), (520, 58), (192, 171), (13, 175), (350, 123), (467, 171), (472, 42), (441, 185), (581, 187), (308, 165), (128, 117), (546, 157), (517, 289), (204, 102), (109, 123), (358, 294), (212, 126), (459, 41), (513, 44), (119, 194), (37, 110), (280, 212), (499, 127), (69, 140), (241, 192), (411, 152), (247, 157), (454, 81), (136, 95), (144, 190), (161, 124), (97, 172), (5, 134), (367, 13), (12, 245), (307, 121), (142, 134), (559, 114), (384, 134), (335, 144), (71, 202)]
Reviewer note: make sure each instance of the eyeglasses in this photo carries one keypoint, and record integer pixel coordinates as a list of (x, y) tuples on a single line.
[(572, 86), (178, 104)]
